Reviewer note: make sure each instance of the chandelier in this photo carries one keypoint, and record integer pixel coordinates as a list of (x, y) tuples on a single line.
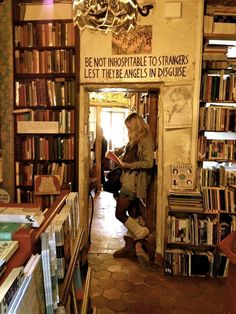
[(108, 15)]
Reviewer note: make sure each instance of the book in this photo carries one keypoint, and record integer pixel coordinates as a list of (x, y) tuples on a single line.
[(46, 184), (112, 156), (22, 215), (72, 200), (182, 176), (77, 279), (63, 240), (7, 229), (49, 262), (7, 249), (38, 127), (30, 296), (8, 290)]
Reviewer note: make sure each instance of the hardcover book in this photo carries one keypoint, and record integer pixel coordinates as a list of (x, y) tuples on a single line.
[(7, 229)]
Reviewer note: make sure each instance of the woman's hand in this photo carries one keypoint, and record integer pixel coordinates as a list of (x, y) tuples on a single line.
[(124, 165)]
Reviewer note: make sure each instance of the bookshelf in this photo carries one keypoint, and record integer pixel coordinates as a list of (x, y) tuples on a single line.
[(197, 221), (45, 88), (217, 110), (29, 238), (196, 226), (31, 243)]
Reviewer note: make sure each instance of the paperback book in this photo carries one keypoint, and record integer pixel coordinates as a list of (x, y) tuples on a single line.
[(110, 155), (7, 249), (182, 176), (30, 296), (8, 290)]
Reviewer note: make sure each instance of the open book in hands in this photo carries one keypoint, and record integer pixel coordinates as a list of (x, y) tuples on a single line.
[(110, 155)]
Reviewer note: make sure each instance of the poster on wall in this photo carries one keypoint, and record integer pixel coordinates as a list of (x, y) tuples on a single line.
[(178, 107), (137, 41), (182, 176)]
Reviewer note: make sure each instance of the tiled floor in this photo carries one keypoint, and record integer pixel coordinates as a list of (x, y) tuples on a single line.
[(132, 286)]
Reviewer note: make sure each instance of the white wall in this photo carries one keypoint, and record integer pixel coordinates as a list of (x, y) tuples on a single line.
[(171, 37)]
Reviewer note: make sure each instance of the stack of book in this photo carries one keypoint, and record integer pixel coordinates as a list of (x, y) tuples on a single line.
[(215, 52), (33, 216), (185, 200)]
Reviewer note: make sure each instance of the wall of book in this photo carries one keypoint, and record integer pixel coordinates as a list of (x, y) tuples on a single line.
[(45, 98), (197, 221)]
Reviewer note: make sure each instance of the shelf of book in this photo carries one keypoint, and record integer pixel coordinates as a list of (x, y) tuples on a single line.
[(216, 158), (196, 223), (57, 249), (45, 89), (28, 238)]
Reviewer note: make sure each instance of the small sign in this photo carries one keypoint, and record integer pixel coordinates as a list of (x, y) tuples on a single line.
[(4, 196), (47, 184)]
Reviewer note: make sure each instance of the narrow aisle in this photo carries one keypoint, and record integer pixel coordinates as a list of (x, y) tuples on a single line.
[(125, 286), (107, 232)]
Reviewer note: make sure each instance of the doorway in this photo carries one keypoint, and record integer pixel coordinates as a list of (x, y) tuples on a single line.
[(108, 110)]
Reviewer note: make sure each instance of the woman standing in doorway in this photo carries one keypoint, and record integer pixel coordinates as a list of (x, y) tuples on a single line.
[(137, 163)]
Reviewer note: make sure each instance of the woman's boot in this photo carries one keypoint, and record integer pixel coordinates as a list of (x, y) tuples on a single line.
[(139, 232), (149, 245), (128, 250)]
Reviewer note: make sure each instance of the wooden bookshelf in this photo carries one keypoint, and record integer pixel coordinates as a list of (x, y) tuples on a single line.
[(45, 88), (193, 236)]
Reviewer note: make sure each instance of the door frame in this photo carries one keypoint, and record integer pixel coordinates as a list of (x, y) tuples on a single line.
[(84, 149)]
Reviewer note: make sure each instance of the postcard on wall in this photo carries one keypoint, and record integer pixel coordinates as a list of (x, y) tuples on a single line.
[(178, 110), (47, 184), (182, 176)]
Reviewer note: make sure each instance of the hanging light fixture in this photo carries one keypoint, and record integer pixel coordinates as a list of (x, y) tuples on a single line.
[(108, 15)]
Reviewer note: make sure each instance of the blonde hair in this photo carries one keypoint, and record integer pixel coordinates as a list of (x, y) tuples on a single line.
[(138, 128)]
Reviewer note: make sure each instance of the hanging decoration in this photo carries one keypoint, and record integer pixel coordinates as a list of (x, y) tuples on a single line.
[(108, 15)]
